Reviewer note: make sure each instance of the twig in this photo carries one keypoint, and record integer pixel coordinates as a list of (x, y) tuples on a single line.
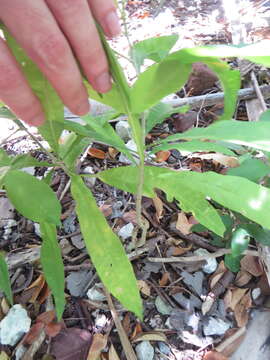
[(129, 352), (218, 98), (258, 91), (195, 239), (190, 259), (226, 343)]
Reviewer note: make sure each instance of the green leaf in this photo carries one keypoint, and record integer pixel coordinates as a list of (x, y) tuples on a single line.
[(53, 266), (194, 146), (240, 241), (251, 169), (158, 81), (249, 133), (4, 279), (265, 116), (173, 185), (52, 105), (155, 49), (32, 197), (232, 262), (72, 149), (20, 161), (259, 234), (105, 249), (6, 113), (235, 193)]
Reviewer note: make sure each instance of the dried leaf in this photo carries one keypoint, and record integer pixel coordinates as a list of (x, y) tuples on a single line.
[(164, 279), (233, 297), (33, 333), (144, 288), (241, 310), (214, 279), (97, 153), (71, 343), (159, 207), (53, 329), (98, 344), (106, 209), (46, 317), (231, 341), (137, 330), (214, 355), (225, 160), (130, 216), (126, 323), (37, 285), (242, 278), (208, 303), (177, 250), (150, 336), (113, 354), (3, 356), (252, 265), (113, 152), (182, 223), (162, 156)]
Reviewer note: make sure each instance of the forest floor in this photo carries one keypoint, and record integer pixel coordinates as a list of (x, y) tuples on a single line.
[(197, 310)]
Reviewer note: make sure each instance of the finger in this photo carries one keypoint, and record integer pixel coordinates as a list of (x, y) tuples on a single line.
[(77, 23), (105, 13), (38, 33), (14, 90)]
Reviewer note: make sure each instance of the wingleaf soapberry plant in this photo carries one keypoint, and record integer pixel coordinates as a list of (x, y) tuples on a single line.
[(144, 109)]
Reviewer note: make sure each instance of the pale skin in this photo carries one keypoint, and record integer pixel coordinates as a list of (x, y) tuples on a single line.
[(53, 33)]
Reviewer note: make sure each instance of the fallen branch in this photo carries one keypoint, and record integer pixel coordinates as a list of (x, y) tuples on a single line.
[(190, 259)]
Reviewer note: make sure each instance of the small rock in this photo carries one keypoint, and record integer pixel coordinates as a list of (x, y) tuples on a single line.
[(126, 231), (6, 209), (14, 325), (211, 264), (145, 351), (188, 303), (162, 307), (131, 146), (123, 130), (256, 293), (69, 224), (194, 281), (164, 349), (37, 229), (90, 181), (77, 282), (215, 327), (95, 293), (78, 242), (65, 246)]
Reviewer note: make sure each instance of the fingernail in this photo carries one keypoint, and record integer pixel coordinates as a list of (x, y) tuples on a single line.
[(83, 108), (103, 82), (37, 121), (113, 24)]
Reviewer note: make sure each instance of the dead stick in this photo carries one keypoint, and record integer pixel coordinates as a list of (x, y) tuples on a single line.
[(190, 259)]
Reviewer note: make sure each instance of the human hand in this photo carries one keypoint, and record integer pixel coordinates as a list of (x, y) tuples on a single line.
[(53, 32)]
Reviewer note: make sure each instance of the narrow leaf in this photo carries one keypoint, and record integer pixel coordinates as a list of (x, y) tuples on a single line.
[(32, 197), (52, 105), (194, 146), (251, 169), (4, 279), (240, 241), (53, 266), (155, 49), (105, 249), (252, 134)]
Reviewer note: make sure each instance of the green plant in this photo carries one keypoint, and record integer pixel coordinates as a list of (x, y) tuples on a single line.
[(141, 103)]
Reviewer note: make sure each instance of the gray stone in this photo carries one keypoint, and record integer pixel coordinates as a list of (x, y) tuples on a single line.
[(29, 170), (123, 130), (189, 302), (164, 349), (145, 351), (131, 146), (78, 242), (162, 307), (215, 326), (77, 282), (95, 293), (126, 231), (6, 208), (14, 325), (90, 181), (194, 281), (211, 264), (37, 229)]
